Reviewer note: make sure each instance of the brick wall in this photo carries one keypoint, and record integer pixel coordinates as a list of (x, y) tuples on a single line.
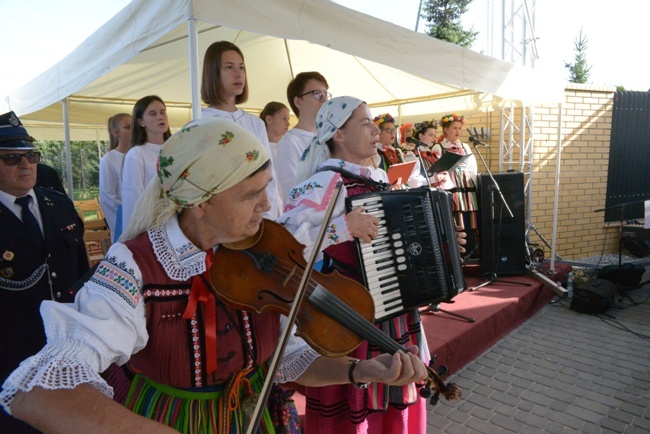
[(586, 129)]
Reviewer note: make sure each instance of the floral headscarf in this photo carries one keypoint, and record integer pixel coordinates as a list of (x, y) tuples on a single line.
[(206, 157), (331, 116)]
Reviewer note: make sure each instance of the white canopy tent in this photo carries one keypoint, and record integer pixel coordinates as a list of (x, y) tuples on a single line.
[(156, 47)]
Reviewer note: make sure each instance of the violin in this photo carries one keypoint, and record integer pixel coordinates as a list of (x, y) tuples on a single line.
[(337, 313)]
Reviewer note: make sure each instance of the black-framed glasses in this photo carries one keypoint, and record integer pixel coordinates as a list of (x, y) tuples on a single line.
[(15, 159), (319, 95)]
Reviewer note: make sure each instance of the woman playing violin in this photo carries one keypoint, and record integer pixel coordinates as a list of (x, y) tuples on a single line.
[(174, 356), (346, 137)]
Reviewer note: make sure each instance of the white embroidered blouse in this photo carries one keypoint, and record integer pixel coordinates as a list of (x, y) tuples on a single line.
[(307, 203), (106, 323)]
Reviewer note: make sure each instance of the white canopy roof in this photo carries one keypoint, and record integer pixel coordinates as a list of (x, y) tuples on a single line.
[(144, 50)]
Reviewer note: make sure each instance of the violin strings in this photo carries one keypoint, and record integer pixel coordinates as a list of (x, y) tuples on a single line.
[(345, 313), (354, 320), (357, 323)]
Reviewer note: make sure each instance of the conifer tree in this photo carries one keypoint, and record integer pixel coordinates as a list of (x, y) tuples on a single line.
[(579, 70), (443, 21)]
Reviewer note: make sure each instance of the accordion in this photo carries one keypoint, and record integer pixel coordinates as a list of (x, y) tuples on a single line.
[(415, 260)]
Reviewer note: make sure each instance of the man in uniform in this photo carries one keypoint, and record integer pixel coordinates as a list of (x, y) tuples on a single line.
[(42, 252)]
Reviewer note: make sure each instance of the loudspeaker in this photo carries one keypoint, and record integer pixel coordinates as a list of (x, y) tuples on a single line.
[(593, 296), (627, 277), (502, 244)]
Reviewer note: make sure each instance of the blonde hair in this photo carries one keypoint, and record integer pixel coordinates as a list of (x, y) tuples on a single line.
[(152, 211), (112, 126)]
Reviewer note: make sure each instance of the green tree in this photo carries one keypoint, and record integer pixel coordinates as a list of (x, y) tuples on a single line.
[(579, 70), (443, 21), (85, 162)]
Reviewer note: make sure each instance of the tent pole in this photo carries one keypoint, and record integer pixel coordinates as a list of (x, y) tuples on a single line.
[(557, 184), (193, 38), (68, 157)]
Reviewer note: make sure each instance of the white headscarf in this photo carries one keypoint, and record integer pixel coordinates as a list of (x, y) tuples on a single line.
[(331, 116), (206, 157)]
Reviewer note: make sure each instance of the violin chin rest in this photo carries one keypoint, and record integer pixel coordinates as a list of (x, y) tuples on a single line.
[(246, 243)]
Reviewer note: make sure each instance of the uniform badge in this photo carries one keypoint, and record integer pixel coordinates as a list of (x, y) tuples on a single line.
[(13, 120), (8, 255), (7, 272)]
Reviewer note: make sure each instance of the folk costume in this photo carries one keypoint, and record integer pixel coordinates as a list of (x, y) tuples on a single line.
[(175, 353), (344, 408), (34, 266), (463, 177), (290, 149)]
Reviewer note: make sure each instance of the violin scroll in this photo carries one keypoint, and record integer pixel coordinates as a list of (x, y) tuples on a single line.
[(449, 390)]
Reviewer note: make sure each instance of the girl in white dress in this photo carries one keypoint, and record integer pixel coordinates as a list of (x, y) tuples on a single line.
[(149, 130), (223, 86), (110, 170)]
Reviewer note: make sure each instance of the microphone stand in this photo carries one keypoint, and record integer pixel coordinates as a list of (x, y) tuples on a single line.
[(492, 275)]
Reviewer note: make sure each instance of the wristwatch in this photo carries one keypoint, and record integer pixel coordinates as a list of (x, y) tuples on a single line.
[(353, 364)]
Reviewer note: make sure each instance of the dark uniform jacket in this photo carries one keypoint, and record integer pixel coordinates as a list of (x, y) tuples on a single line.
[(32, 271)]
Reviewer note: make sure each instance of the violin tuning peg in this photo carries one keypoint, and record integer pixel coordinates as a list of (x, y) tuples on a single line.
[(434, 399), (433, 360), (443, 370), (425, 392)]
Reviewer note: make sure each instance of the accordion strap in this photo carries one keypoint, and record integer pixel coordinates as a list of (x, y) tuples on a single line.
[(375, 185)]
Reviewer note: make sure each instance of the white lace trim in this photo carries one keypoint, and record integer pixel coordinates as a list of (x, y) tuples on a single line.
[(61, 371), (179, 257), (295, 364)]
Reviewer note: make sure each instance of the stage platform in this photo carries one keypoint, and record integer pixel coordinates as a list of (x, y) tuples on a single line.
[(497, 309)]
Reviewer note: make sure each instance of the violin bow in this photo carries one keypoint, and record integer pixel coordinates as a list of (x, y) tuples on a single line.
[(291, 318)]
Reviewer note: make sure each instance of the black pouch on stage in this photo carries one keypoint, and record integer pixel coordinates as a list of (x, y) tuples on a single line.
[(593, 296), (628, 276)]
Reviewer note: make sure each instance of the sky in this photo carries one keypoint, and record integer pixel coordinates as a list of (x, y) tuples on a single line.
[(38, 33)]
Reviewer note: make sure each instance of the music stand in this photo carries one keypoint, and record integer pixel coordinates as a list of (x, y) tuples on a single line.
[(492, 275)]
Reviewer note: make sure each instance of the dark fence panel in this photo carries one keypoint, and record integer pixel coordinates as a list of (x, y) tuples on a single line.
[(628, 175)]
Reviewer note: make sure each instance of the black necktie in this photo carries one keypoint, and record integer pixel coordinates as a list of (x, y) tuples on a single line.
[(28, 218)]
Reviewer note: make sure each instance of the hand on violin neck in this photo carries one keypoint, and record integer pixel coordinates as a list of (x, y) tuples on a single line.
[(396, 370), (362, 225)]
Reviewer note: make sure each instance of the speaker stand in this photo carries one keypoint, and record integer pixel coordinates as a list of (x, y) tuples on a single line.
[(434, 308)]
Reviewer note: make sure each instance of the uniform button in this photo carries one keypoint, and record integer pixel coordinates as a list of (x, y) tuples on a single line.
[(49, 255), (58, 295), (53, 273), (228, 327)]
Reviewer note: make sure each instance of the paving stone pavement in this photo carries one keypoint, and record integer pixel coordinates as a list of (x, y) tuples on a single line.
[(559, 372)]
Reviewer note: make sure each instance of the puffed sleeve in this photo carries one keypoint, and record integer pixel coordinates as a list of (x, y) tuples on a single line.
[(105, 324), (305, 212)]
